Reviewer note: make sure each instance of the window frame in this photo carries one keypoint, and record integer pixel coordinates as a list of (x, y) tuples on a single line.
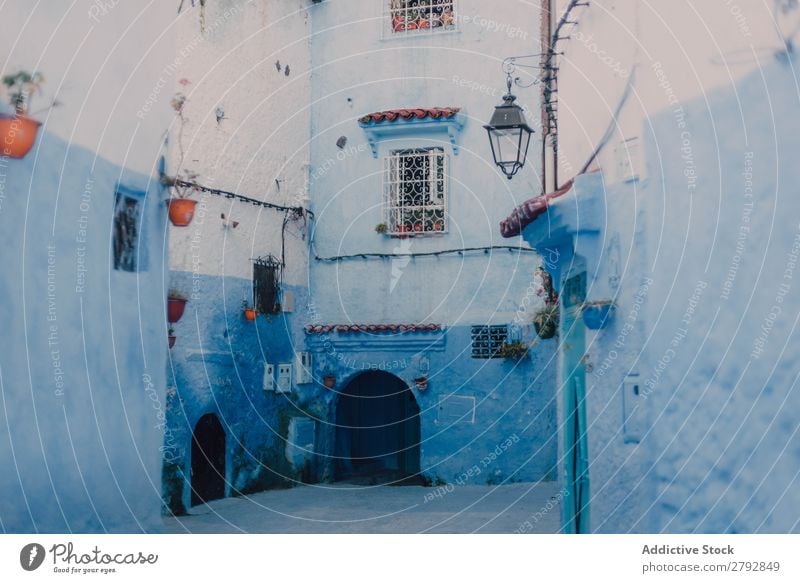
[(477, 331), (269, 263), (122, 193), (394, 186), (390, 25)]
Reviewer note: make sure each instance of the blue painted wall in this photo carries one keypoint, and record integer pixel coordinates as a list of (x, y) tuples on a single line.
[(699, 256), (360, 68), (217, 366), (83, 349), (512, 400)]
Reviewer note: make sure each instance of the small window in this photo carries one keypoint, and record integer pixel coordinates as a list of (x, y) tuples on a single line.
[(405, 17), (266, 285), (127, 212), (628, 160), (487, 341), (416, 192)]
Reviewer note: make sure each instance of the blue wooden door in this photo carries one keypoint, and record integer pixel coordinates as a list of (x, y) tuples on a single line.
[(575, 503)]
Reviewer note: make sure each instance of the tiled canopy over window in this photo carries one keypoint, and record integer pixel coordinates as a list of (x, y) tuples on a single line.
[(415, 16)]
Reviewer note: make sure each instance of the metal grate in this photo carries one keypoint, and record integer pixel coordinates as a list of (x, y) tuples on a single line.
[(126, 232), (405, 17), (266, 283), (488, 340), (416, 191)]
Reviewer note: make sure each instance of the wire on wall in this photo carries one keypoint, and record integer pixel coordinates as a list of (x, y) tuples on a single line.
[(461, 251)]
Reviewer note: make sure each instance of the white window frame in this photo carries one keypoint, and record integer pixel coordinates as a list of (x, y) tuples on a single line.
[(404, 218), (397, 13)]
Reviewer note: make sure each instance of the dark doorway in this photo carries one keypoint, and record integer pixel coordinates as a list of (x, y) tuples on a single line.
[(208, 460), (377, 431)]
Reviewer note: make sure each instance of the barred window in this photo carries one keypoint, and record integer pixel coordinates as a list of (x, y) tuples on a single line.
[(487, 341), (416, 191), (419, 16), (126, 232), (266, 285)]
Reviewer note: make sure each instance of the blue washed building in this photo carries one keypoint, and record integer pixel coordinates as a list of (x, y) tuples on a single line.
[(82, 364), (379, 357), (676, 385), (413, 290)]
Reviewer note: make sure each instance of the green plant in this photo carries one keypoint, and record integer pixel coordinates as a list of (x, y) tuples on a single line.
[(381, 228), (176, 294), (516, 350), (546, 321), (21, 86)]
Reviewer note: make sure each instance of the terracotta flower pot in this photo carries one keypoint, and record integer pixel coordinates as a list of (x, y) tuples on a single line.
[(329, 381), (421, 383), (398, 24), (175, 308), (171, 341), (181, 211), (18, 135), (250, 314)]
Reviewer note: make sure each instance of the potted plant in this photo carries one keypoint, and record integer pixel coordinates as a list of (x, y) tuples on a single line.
[(18, 130), (181, 207), (176, 304), (421, 383), (171, 337), (546, 321), (598, 313), (381, 228), (329, 380), (250, 312), (516, 350)]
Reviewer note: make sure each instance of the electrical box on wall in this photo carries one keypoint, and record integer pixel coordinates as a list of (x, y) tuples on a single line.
[(287, 301), (302, 367), (284, 378), (632, 409), (269, 377)]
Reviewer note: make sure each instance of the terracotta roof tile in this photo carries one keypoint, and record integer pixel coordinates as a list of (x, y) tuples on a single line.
[(408, 114), (529, 211), (371, 328)]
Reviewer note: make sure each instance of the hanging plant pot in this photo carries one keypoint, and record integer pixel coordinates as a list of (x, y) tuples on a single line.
[(181, 211), (171, 341), (546, 322), (421, 383), (175, 307), (329, 381), (597, 315), (250, 314), (18, 134)]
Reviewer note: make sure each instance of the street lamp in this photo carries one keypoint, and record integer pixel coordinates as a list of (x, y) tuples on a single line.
[(509, 135)]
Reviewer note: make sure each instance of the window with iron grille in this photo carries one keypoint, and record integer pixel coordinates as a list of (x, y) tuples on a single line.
[(266, 285), (416, 191), (126, 232), (487, 341), (405, 17)]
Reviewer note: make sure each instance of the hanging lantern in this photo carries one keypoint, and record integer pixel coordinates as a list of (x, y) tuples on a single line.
[(509, 135)]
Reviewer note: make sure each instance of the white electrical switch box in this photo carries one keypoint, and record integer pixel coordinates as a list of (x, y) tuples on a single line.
[(284, 378), (269, 377), (302, 368)]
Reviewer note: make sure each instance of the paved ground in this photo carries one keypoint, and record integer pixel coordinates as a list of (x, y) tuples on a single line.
[(342, 508)]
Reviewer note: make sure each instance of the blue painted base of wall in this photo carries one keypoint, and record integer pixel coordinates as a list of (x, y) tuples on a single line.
[(483, 421)]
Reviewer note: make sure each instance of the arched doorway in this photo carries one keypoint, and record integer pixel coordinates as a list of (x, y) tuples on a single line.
[(208, 460), (377, 430)]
